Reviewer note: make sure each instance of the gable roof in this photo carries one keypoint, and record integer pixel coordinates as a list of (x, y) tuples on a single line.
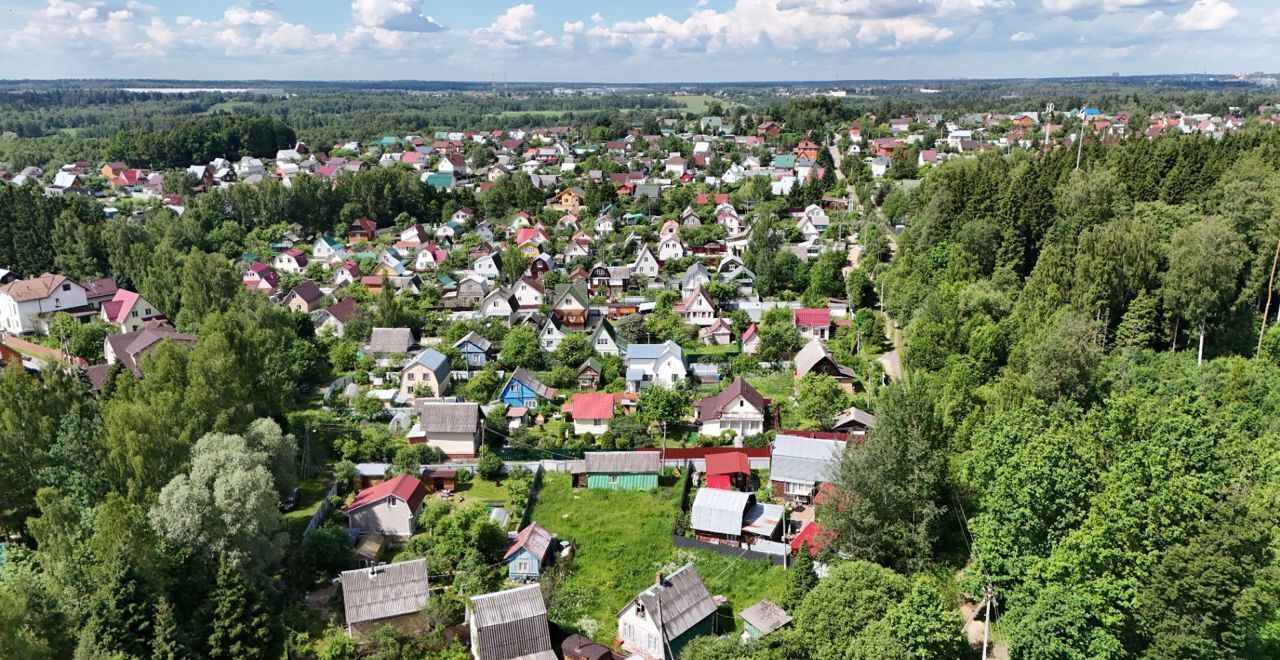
[(511, 624), (813, 317), (36, 288), (308, 291), (384, 591), (128, 347), (528, 380), (680, 602), (765, 616), (595, 405), (804, 460), (653, 351), (712, 406), (475, 339), (640, 462), (404, 487), (118, 307), (434, 361), (812, 354), (575, 290), (533, 538), (390, 340), (448, 416), (343, 309)]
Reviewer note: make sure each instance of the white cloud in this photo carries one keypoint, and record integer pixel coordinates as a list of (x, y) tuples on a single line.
[(401, 15), (513, 28), (1271, 25), (1206, 15), (1022, 36)]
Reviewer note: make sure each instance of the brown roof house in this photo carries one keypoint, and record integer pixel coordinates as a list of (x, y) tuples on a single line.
[(384, 594), (127, 348), (335, 316), (739, 408), (510, 625)]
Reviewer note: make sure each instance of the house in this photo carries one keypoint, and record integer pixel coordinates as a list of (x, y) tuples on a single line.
[(568, 199), (738, 408), (335, 316), (719, 333), (605, 341), (389, 341), (428, 370), (390, 508), (622, 470), (326, 250), (99, 292), (647, 364), (801, 465), (676, 165), (499, 304), (304, 298), (454, 427), (815, 358), (259, 277), (128, 311), (470, 292), (728, 471), (363, 229), (24, 303), (763, 618), (128, 348), (474, 349), (290, 261), (768, 129), (523, 389), (589, 374), (529, 294), (569, 304), (855, 421), (751, 340), (529, 553), (551, 334), (510, 625), (671, 248), (384, 594), (695, 276), (730, 517), (591, 412), (663, 618), (347, 273), (430, 257), (646, 265), (814, 323), (697, 308), (604, 225)]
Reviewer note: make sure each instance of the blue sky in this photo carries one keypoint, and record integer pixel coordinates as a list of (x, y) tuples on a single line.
[(649, 41)]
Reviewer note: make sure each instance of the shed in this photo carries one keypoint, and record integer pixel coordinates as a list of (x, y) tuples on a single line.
[(729, 471), (529, 552), (763, 618), (675, 609), (385, 341), (718, 514), (623, 470)]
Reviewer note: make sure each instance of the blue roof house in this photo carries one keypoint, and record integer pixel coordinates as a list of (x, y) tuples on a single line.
[(522, 389)]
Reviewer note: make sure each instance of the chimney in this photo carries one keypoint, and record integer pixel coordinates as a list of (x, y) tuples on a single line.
[(658, 579)]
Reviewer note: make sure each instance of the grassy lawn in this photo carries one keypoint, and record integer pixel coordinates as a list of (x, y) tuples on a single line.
[(481, 492), (727, 349), (777, 386), (698, 103), (310, 493), (623, 539)]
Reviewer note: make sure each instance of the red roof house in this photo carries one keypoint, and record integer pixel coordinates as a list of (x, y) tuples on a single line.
[(815, 323), (389, 508)]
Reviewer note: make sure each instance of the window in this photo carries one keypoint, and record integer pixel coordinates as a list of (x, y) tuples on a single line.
[(522, 566), (613, 480), (66, 287), (133, 314), (391, 501), (411, 375)]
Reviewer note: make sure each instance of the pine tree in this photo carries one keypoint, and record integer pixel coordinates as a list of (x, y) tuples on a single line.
[(120, 617), (802, 579), (165, 645), (1140, 324), (243, 627)]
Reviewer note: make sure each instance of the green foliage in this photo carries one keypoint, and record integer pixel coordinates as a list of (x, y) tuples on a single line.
[(243, 627), (819, 399), (520, 348), (489, 464)]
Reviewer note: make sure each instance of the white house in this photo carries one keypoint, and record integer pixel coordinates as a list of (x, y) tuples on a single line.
[(649, 364), (128, 311), (390, 508), (591, 412), (488, 266), (645, 265), (290, 261), (738, 408), (551, 335), (326, 250), (671, 248), (22, 302), (529, 294)]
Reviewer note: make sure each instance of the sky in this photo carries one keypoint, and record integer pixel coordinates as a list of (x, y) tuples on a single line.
[(646, 41)]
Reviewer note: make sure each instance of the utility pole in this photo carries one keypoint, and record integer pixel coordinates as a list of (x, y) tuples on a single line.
[(986, 624), (1271, 283), (1080, 139)]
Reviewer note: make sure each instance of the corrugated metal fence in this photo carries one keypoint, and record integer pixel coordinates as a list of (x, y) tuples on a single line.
[(320, 512)]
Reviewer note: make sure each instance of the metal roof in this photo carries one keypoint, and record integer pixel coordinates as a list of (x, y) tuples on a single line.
[(434, 361), (623, 461), (762, 519), (384, 591), (804, 460), (679, 603), (511, 624), (719, 511)]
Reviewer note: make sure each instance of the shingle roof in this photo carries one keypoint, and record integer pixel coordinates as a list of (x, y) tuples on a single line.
[(712, 406), (679, 603), (36, 288), (511, 624), (476, 339), (719, 511), (343, 309), (385, 591), (811, 355), (533, 538), (448, 416), (128, 347), (308, 291), (804, 460), (390, 340), (765, 616), (623, 461)]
